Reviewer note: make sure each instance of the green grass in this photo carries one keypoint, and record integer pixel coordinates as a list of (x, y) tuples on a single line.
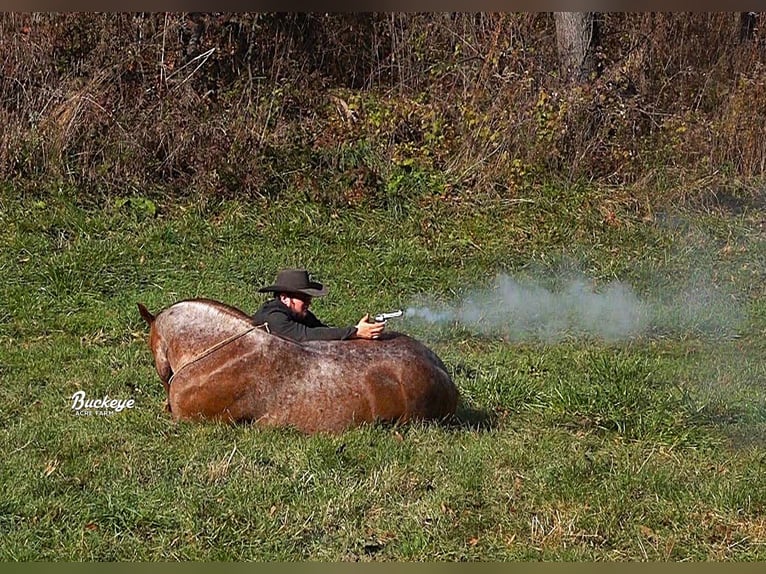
[(651, 448)]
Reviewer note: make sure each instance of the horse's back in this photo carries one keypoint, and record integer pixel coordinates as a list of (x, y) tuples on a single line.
[(394, 378)]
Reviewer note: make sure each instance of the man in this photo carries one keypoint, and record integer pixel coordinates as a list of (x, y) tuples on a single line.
[(288, 315)]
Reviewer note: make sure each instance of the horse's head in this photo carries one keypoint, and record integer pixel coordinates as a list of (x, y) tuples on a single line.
[(180, 333)]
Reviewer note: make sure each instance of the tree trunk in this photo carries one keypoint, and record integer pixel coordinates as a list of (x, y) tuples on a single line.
[(575, 40), (747, 24)]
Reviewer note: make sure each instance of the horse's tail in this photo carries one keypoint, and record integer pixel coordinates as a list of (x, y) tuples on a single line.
[(148, 317)]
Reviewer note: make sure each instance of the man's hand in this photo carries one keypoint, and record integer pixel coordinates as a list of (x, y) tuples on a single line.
[(367, 329)]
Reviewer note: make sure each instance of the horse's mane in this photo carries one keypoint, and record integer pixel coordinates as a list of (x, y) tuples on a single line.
[(219, 307)]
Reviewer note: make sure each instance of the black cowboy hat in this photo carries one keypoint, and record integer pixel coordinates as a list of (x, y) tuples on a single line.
[(295, 281)]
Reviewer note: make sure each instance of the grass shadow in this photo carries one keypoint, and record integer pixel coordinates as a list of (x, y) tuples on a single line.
[(469, 418)]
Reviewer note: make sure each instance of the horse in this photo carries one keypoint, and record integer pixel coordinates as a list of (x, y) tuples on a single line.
[(217, 364)]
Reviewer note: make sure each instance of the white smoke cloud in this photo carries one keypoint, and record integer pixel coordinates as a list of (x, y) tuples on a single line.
[(524, 309)]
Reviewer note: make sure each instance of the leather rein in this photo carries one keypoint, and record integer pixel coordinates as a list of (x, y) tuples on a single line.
[(214, 348)]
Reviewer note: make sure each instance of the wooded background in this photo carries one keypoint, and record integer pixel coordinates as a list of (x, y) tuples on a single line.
[(363, 107)]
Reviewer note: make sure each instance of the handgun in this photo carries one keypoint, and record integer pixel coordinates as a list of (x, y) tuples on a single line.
[(383, 317)]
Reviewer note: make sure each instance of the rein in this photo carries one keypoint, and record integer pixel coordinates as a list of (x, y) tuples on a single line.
[(217, 346)]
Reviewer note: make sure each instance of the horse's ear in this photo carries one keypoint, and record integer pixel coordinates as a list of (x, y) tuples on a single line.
[(148, 317)]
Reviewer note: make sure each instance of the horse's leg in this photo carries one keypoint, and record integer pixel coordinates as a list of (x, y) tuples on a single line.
[(386, 396)]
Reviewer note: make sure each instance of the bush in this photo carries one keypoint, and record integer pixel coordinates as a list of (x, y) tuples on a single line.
[(271, 104)]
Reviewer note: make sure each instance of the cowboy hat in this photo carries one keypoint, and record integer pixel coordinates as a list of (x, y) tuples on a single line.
[(295, 281)]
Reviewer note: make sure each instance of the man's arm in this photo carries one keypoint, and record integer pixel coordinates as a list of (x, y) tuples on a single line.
[(282, 324)]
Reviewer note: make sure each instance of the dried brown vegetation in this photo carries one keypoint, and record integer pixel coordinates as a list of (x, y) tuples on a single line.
[(362, 107)]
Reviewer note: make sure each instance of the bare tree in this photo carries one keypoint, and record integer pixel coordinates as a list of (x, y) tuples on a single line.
[(576, 35), (748, 21)]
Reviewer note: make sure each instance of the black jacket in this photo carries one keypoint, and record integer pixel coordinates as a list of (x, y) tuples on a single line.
[(283, 322)]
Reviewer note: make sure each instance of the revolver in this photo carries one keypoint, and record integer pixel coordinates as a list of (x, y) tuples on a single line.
[(383, 317)]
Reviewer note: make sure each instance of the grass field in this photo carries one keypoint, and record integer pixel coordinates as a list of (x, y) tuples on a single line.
[(647, 446)]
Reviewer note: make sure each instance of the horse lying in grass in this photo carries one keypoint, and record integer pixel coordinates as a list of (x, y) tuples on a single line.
[(215, 363)]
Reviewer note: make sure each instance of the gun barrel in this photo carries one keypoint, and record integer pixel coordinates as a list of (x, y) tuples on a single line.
[(382, 317)]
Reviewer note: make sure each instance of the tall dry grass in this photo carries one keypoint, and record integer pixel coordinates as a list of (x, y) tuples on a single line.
[(346, 107)]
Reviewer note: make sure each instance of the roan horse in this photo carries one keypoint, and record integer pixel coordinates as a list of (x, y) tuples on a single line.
[(215, 363)]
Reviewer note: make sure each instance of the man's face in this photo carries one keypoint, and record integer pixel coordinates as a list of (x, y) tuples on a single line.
[(298, 304)]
